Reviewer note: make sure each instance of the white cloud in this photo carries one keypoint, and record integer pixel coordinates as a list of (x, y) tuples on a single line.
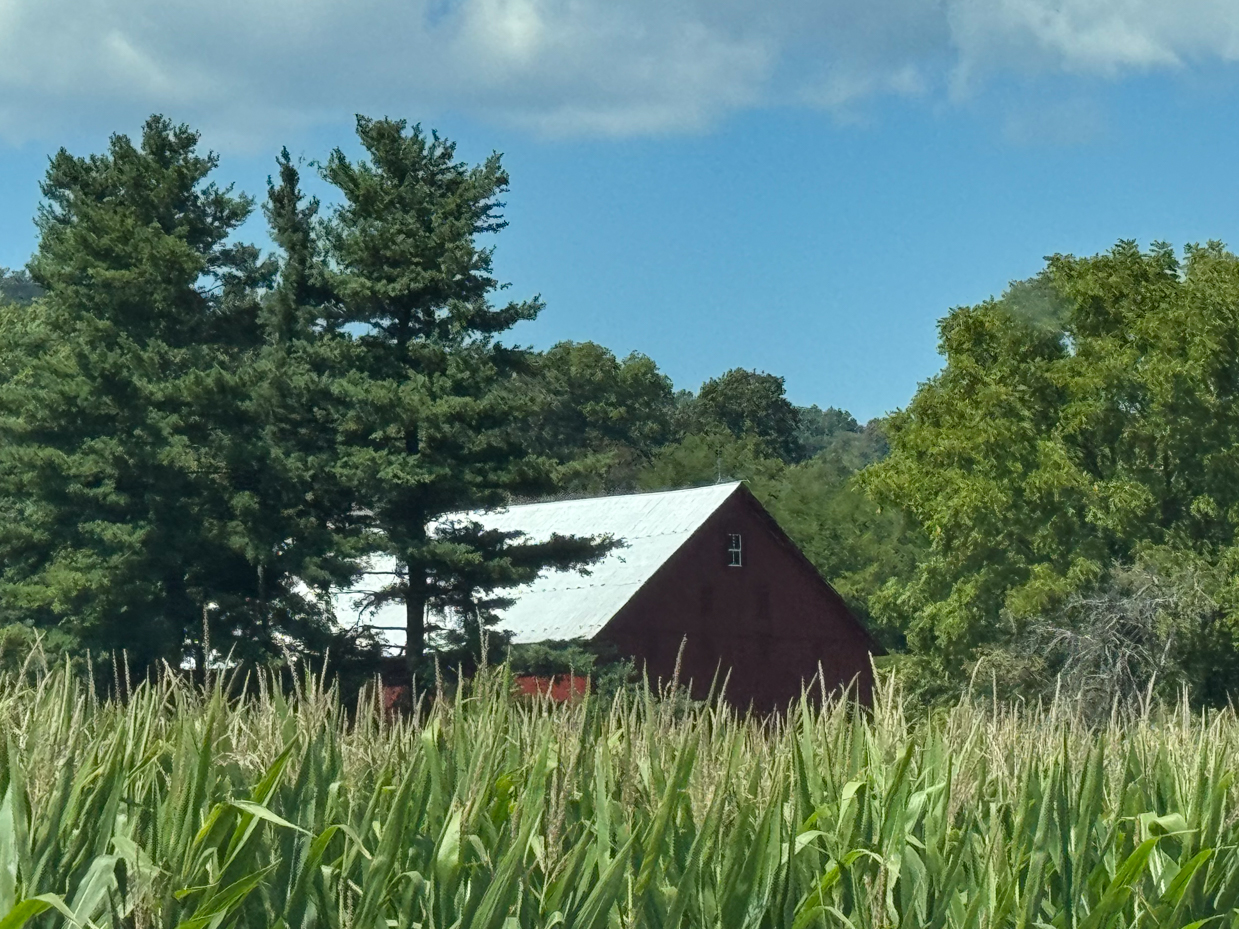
[(249, 68), (1098, 36)]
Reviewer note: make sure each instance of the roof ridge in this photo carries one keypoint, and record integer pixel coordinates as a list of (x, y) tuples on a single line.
[(626, 495)]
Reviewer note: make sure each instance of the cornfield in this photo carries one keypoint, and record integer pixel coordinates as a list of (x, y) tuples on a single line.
[(193, 807)]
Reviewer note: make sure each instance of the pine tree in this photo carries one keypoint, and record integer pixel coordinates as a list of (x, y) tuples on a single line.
[(126, 473), (305, 532), (428, 414)]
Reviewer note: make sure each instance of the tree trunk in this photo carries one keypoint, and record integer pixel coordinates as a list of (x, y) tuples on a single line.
[(415, 622)]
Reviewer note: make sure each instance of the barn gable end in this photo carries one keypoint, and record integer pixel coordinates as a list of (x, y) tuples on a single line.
[(766, 625), (768, 622)]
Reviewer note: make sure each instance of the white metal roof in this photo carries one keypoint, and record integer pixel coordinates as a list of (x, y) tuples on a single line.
[(562, 605)]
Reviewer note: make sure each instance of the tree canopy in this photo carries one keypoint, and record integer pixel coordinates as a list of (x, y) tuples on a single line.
[(196, 442), (749, 404), (1087, 419), (603, 417), (427, 409), (199, 441), (124, 482)]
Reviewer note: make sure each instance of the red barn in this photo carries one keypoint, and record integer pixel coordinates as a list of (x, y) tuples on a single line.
[(707, 568)]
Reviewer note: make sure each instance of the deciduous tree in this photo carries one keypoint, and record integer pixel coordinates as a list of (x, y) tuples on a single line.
[(749, 404), (603, 417), (1089, 416)]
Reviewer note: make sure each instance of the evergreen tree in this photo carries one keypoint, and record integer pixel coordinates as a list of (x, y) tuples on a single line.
[(303, 536), (124, 493), (429, 414)]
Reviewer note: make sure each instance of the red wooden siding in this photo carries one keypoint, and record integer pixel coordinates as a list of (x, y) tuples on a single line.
[(770, 622)]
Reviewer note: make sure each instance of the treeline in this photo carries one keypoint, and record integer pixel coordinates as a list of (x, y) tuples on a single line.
[(198, 440)]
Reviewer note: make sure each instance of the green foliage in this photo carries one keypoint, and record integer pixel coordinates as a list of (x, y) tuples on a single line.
[(707, 458), (307, 525), (603, 417), (183, 808), (195, 443), (18, 287), (545, 659), (817, 427), (855, 544), (608, 672), (836, 433), (426, 412), (1086, 418), (24, 648), (125, 463), (749, 405)]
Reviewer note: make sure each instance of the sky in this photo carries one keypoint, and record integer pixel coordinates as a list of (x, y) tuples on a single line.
[(798, 187)]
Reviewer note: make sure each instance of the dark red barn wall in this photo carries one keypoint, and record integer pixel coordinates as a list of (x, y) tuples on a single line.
[(770, 622)]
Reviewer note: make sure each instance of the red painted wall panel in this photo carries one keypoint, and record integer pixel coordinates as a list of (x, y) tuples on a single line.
[(560, 687), (771, 622)]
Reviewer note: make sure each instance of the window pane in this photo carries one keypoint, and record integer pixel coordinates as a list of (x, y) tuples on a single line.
[(734, 557)]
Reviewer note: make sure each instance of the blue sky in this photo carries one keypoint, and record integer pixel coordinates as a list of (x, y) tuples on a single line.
[(799, 191)]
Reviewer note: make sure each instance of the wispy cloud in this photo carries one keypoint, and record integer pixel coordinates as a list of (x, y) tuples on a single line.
[(254, 68)]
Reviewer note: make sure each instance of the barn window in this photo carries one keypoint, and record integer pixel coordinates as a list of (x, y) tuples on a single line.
[(735, 554)]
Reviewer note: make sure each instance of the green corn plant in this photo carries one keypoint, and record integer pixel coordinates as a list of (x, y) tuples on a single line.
[(190, 807)]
